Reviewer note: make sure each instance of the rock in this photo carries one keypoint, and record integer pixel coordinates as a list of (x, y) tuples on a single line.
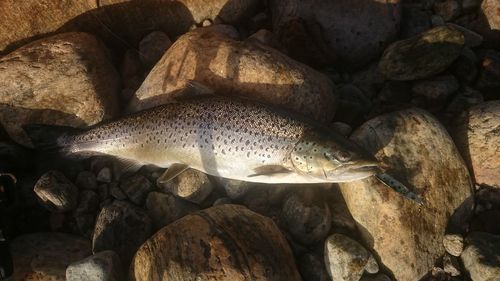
[(191, 185), (353, 105), (349, 33), (56, 192), (476, 134), (116, 192), (451, 265), (414, 20), (103, 266), (265, 199), (45, 256), (227, 242), (306, 216), (227, 30), (481, 256), (342, 128), (487, 221), (423, 55), (152, 47), (104, 175), (435, 91), (378, 277), (86, 180), (103, 191), (206, 23), (265, 37), (437, 20), (413, 145), (447, 9), (462, 101), (165, 208), (453, 244), (65, 79), (487, 23), (489, 74), (222, 201), (465, 67), (472, 39), (136, 187), (117, 22), (312, 268), (131, 70), (121, 227), (236, 68), (345, 258), (394, 93), (471, 5), (85, 214), (235, 189)]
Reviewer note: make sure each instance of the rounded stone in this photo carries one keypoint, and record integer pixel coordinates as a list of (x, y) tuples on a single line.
[(56, 192), (226, 242), (412, 145)]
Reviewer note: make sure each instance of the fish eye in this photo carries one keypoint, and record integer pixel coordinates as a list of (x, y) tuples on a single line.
[(344, 155)]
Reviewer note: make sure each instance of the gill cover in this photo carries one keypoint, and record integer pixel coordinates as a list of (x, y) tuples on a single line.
[(318, 158)]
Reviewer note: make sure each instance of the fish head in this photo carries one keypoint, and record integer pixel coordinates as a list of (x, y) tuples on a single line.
[(332, 158)]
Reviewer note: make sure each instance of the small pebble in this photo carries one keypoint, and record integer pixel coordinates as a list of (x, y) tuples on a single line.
[(136, 187), (152, 47), (453, 244), (451, 265), (191, 185)]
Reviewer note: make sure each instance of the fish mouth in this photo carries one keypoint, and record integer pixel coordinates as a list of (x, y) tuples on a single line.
[(365, 167)]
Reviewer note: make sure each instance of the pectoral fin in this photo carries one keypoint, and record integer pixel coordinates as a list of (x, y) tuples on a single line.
[(269, 170), (173, 171)]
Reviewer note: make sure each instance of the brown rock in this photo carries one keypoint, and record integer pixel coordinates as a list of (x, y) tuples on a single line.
[(349, 32), (227, 242), (119, 22), (487, 23), (423, 55), (408, 237), (56, 192), (65, 79), (45, 256), (236, 68), (477, 136), (489, 74)]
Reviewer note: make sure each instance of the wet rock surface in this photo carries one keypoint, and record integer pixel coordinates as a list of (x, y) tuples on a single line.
[(102, 266), (481, 256), (229, 239)]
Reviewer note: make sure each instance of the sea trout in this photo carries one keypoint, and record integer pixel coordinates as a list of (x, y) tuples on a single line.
[(226, 137)]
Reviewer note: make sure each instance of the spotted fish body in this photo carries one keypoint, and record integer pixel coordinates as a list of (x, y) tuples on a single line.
[(224, 137)]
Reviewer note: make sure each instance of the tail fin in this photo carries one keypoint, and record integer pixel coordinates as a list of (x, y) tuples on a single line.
[(49, 138)]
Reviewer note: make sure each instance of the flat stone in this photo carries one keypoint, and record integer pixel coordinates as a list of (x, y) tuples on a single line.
[(56, 192), (103, 266), (423, 55)]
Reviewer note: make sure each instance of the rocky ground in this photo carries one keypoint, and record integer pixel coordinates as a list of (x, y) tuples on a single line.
[(417, 83)]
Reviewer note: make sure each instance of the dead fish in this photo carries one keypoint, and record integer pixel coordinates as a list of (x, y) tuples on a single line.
[(224, 137)]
